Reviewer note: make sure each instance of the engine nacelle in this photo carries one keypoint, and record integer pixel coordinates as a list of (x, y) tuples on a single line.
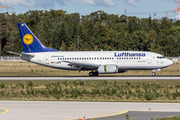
[(103, 69)]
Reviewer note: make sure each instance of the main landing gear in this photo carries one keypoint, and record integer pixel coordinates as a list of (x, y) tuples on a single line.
[(96, 73)]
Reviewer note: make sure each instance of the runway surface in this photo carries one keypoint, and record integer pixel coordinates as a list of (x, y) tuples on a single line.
[(130, 78), (59, 110), (141, 115), (1, 111)]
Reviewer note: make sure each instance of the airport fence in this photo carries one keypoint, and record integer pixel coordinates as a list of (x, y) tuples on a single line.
[(11, 58), (18, 59), (174, 59)]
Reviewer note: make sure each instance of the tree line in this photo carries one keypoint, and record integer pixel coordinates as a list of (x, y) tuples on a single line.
[(59, 30)]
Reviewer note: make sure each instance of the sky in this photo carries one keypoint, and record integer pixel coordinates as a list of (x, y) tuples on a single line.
[(139, 8)]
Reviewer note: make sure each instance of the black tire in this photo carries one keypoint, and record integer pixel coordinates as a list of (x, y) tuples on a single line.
[(153, 74), (91, 74), (96, 73)]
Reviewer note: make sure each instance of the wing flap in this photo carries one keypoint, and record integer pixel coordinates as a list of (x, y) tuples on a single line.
[(82, 65)]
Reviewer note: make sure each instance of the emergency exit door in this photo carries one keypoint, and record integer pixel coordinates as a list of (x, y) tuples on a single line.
[(47, 59)]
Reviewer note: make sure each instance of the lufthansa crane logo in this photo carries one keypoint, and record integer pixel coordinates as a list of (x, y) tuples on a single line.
[(28, 39)]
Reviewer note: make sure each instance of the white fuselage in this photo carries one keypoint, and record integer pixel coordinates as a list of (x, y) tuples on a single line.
[(125, 60)]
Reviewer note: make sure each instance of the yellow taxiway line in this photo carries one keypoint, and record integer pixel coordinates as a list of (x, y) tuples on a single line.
[(123, 112), (5, 110)]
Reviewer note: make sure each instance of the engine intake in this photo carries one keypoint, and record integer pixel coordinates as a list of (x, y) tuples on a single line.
[(103, 69)]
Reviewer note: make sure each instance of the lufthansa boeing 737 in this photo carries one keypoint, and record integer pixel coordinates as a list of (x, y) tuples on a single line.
[(98, 62)]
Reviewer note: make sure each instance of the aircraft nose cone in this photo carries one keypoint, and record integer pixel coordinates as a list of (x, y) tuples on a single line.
[(170, 62)]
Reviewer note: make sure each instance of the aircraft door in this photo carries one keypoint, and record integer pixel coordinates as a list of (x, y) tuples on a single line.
[(47, 59), (149, 59)]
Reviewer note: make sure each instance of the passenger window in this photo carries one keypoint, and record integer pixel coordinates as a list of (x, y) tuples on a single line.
[(75, 58), (84, 58), (112, 58), (67, 58), (117, 58), (94, 58), (60, 58), (97, 58), (72, 58), (107, 58), (89, 58)]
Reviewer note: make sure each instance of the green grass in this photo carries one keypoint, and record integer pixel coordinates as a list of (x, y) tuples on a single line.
[(151, 91), (30, 69), (170, 118)]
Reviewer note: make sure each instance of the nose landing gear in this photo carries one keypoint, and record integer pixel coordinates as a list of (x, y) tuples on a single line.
[(154, 74)]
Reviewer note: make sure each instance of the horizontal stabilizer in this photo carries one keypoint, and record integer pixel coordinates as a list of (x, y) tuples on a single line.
[(16, 53)]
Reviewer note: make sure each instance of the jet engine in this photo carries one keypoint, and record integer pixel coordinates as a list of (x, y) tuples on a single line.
[(103, 69)]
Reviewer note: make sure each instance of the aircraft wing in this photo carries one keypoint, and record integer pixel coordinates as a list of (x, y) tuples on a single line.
[(82, 66), (16, 53)]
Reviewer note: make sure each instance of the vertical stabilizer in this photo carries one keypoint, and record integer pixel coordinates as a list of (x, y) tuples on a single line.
[(30, 42)]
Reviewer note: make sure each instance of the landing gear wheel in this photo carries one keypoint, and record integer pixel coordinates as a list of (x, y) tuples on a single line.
[(153, 74), (91, 74), (96, 73)]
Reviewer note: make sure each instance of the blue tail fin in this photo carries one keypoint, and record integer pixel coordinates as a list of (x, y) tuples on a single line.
[(30, 41)]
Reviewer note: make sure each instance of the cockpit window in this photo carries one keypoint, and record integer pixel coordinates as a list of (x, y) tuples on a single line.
[(160, 57)]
